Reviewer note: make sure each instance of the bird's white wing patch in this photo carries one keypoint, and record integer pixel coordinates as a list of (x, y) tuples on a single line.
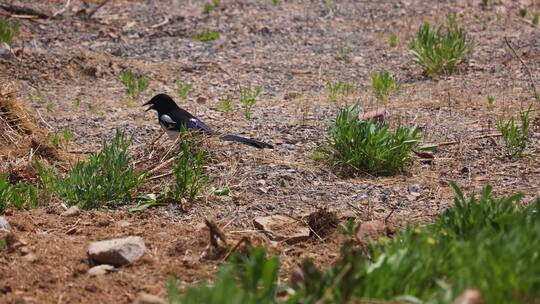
[(167, 119)]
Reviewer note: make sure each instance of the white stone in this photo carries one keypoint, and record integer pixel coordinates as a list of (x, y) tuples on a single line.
[(117, 252)]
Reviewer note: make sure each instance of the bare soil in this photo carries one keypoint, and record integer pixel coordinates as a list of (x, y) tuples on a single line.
[(67, 75)]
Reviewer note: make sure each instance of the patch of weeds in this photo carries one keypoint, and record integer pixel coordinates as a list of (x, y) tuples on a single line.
[(225, 104), (276, 2), (106, 178), (383, 83), (58, 141), (188, 174), (189, 181), (368, 146), (3, 245), (135, 84), (337, 89), (484, 4), (8, 30), (487, 243), (534, 20), (208, 7), (207, 36), (19, 195), (490, 101), (441, 50), (219, 191), (343, 54), (515, 136), (183, 89), (77, 103), (245, 279), (248, 97), (522, 12), (392, 41)]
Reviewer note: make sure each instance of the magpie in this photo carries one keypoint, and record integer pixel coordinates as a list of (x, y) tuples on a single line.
[(172, 119)]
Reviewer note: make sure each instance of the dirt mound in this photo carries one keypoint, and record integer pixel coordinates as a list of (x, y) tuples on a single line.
[(21, 138)]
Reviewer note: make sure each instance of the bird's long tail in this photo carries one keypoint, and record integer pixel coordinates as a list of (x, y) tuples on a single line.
[(247, 141)]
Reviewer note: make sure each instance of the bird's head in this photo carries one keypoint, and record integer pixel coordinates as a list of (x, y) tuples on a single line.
[(161, 102)]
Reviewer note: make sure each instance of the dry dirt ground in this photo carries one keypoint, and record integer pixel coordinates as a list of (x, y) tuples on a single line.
[(68, 74)]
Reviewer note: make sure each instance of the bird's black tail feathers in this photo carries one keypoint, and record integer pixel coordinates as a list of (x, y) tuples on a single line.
[(247, 141)]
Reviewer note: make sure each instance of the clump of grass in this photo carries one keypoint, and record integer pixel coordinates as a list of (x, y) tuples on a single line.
[(392, 41), (8, 30), (487, 243), (135, 83), (183, 89), (19, 195), (383, 83), (490, 101), (534, 20), (343, 54), (106, 178), (441, 50), (522, 12), (248, 97), (207, 36), (368, 146), (515, 136), (337, 89), (276, 2), (225, 104), (245, 279), (188, 175), (60, 141)]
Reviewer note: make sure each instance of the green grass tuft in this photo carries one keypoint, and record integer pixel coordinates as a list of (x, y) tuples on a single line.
[(337, 89), (515, 136), (19, 195), (383, 83), (368, 146), (8, 30), (248, 97), (135, 84), (441, 50), (106, 178), (207, 36)]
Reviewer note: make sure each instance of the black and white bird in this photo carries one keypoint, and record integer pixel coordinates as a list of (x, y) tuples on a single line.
[(172, 119)]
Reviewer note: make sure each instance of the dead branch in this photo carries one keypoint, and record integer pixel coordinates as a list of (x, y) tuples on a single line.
[(21, 10), (63, 9), (524, 65), (92, 12)]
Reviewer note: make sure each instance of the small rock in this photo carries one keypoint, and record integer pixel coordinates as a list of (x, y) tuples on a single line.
[(201, 99), (24, 250), (72, 211), (470, 296), (282, 228), (6, 52), (100, 270), (117, 252), (146, 298), (4, 224), (30, 258), (42, 233)]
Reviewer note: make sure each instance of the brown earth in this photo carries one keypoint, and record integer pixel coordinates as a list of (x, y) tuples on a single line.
[(67, 74)]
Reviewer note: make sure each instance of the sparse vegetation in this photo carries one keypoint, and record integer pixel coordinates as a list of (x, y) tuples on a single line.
[(207, 36), (343, 54), (464, 239), (225, 104), (392, 41), (105, 179), (135, 84), (441, 50), (248, 97), (534, 20), (368, 146), (245, 279), (183, 89), (188, 175), (515, 136), (490, 101), (383, 83), (8, 30), (19, 195), (339, 89), (522, 12)]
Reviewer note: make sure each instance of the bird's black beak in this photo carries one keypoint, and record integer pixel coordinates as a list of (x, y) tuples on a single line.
[(151, 104)]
